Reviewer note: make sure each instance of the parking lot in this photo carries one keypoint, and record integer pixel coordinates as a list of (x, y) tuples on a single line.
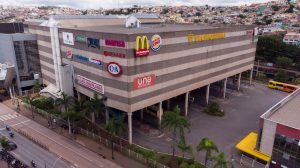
[(242, 116)]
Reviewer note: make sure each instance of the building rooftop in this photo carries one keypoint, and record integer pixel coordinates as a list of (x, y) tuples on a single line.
[(286, 112), (121, 29)]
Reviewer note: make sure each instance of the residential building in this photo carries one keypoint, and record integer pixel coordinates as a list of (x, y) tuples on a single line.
[(292, 38)]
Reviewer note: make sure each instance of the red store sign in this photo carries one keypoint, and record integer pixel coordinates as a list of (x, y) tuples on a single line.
[(115, 43), (114, 54), (144, 81), (98, 87)]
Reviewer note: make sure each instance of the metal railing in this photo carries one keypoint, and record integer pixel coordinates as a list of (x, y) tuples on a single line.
[(122, 149)]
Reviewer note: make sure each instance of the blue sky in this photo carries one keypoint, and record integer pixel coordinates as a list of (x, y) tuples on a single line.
[(125, 3)]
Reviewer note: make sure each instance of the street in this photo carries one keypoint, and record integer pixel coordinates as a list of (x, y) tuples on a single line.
[(64, 148)]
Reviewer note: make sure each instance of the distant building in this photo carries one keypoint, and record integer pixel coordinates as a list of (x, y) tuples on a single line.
[(20, 50), (9, 28), (292, 38), (279, 135)]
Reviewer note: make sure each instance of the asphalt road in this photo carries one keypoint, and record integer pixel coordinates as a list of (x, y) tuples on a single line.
[(27, 150)]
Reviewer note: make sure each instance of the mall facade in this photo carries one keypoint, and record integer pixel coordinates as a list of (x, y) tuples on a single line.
[(138, 67)]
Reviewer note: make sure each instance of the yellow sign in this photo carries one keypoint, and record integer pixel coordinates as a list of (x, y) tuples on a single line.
[(141, 46), (205, 37)]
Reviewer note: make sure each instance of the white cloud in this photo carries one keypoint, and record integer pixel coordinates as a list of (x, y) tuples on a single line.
[(126, 3)]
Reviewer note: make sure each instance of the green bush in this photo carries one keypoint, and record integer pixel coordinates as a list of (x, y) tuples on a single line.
[(190, 164), (213, 109), (43, 103)]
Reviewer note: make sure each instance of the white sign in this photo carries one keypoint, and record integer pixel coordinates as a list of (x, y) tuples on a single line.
[(98, 87), (68, 38), (114, 69)]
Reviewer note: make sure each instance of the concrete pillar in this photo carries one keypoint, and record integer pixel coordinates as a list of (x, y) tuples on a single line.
[(106, 115), (239, 82), (207, 93), (168, 104), (251, 74), (224, 89), (186, 106), (160, 112), (78, 95), (129, 127), (142, 114), (268, 137)]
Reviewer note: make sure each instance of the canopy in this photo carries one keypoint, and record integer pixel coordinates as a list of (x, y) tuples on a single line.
[(51, 91), (248, 145)]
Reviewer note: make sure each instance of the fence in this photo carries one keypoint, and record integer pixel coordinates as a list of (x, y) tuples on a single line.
[(250, 162), (122, 149)]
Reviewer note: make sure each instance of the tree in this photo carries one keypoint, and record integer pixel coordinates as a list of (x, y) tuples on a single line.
[(275, 7), (36, 86), (65, 100), (281, 76), (208, 146), (115, 127), (95, 106), (4, 142), (72, 116), (30, 100), (185, 148), (174, 122), (221, 162), (284, 62)]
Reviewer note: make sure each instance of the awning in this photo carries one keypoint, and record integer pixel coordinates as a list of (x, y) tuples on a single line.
[(248, 145), (51, 91)]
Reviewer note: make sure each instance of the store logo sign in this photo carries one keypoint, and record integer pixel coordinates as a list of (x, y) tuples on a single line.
[(205, 37), (81, 39), (141, 46), (82, 58), (156, 42), (93, 43), (68, 38), (114, 54), (115, 43), (145, 81), (114, 69), (95, 61), (69, 54), (98, 87)]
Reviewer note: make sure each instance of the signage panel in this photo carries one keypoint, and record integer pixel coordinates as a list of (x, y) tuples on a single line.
[(115, 43), (141, 46), (156, 42), (81, 39), (145, 81), (114, 54), (68, 38), (69, 54), (93, 43), (98, 87), (114, 69), (81, 58), (205, 37), (95, 61)]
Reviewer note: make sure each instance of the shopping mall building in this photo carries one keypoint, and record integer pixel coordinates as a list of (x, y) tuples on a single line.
[(138, 61)]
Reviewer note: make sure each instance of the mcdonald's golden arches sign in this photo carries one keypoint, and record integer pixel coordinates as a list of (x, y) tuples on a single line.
[(141, 46)]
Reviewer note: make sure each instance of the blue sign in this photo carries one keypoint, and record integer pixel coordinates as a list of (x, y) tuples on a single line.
[(82, 58), (94, 43)]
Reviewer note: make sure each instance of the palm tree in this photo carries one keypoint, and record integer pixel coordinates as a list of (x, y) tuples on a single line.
[(65, 100), (4, 143), (185, 148), (221, 162), (95, 106), (174, 122), (207, 145), (30, 100), (115, 127), (72, 116)]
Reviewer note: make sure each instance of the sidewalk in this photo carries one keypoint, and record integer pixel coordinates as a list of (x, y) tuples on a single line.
[(100, 149)]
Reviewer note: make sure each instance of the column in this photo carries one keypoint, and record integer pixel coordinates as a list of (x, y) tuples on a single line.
[(224, 89), (160, 112), (207, 93), (168, 104), (142, 114), (78, 95), (129, 127), (239, 82), (251, 74), (186, 106)]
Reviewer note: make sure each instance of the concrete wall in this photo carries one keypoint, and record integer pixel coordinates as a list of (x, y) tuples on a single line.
[(268, 137)]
